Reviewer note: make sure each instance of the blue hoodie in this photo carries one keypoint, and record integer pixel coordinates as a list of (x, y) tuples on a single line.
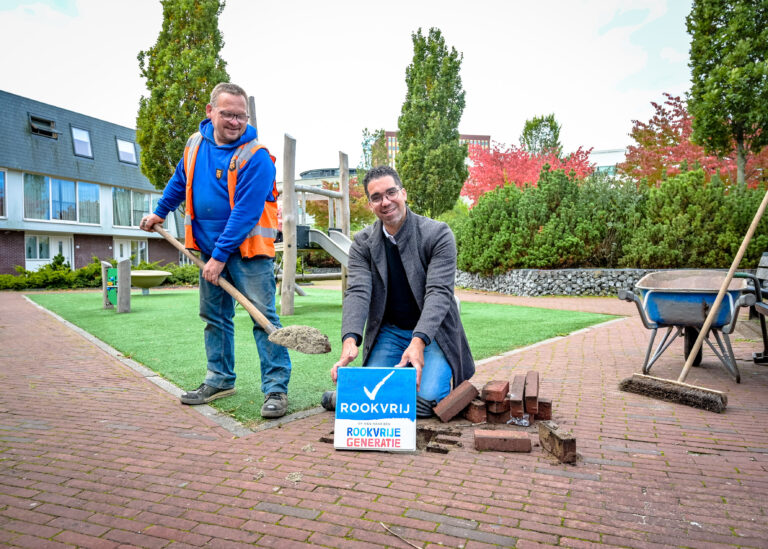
[(219, 230)]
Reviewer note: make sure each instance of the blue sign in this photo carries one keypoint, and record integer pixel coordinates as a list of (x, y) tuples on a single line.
[(376, 409)]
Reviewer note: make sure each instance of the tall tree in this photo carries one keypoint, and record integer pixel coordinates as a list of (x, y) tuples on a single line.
[(541, 135), (729, 67), (180, 70), (431, 159)]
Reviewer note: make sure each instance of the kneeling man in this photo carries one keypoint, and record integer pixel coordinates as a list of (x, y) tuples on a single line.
[(401, 277)]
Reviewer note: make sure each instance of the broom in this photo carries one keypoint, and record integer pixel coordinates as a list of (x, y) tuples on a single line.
[(678, 391)]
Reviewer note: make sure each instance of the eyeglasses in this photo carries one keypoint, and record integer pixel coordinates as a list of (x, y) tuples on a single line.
[(229, 117), (389, 193)]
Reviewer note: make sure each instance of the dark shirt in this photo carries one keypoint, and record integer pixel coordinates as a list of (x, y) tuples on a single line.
[(402, 309)]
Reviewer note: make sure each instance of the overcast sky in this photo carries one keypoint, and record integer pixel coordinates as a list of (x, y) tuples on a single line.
[(323, 71)]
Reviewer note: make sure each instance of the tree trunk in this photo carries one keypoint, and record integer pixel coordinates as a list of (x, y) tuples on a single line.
[(741, 162)]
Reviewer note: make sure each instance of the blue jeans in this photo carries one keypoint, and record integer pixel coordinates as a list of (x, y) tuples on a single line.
[(256, 280), (389, 348)]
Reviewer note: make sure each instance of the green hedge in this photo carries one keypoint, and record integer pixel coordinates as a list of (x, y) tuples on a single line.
[(561, 223), (604, 222), (59, 275)]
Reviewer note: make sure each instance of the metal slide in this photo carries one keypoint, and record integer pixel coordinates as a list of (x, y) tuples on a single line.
[(337, 244)]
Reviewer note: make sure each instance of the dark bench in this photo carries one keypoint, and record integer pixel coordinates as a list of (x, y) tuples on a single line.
[(760, 308)]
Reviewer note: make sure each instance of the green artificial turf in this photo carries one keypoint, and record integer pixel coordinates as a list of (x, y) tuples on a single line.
[(163, 332)]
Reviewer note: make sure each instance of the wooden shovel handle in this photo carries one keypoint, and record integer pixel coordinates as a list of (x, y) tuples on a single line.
[(721, 294), (225, 284)]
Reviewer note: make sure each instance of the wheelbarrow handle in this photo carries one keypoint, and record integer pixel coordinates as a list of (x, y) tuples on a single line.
[(628, 295)]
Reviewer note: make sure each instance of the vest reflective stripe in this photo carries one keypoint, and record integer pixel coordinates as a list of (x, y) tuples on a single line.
[(263, 231), (261, 238)]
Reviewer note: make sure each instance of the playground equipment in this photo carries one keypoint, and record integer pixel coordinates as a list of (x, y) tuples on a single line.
[(116, 285), (148, 279), (297, 236)]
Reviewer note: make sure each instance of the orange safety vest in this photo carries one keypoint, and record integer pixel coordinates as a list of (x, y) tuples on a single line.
[(260, 239)]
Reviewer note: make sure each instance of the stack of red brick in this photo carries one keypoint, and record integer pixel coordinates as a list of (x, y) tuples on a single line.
[(501, 402)]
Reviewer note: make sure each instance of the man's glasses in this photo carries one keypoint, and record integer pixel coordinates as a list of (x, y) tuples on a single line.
[(389, 193), (229, 117)]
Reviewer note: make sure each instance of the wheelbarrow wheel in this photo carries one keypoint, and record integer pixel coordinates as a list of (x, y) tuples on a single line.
[(689, 340)]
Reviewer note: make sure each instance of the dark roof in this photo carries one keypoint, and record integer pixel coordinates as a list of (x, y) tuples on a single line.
[(21, 150), (324, 172)]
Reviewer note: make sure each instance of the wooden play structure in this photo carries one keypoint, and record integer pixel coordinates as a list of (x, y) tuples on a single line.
[(297, 235)]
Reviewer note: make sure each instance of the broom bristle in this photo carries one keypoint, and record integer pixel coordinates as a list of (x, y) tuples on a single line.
[(672, 391)]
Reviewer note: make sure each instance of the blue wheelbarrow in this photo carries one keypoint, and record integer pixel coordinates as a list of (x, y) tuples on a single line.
[(679, 300)]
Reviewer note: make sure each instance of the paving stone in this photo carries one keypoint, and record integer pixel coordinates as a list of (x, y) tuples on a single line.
[(495, 391), (502, 440), (531, 392), (544, 412), (516, 394), (475, 411), (456, 401), (499, 418), (498, 407), (559, 443)]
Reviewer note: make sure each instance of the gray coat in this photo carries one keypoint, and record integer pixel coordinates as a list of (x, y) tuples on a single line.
[(428, 252)]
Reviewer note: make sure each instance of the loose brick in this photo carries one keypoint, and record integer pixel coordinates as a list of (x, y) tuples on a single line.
[(516, 393), (498, 407), (531, 392), (545, 409), (495, 391), (475, 412), (456, 401), (501, 417), (502, 440), (559, 443)]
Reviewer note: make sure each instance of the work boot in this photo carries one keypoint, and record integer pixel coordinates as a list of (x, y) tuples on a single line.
[(328, 401), (275, 405), (204, 394)]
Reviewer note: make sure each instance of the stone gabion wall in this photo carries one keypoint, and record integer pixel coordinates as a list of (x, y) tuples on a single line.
[(533, 282)]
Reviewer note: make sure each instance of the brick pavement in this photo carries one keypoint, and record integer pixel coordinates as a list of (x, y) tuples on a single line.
[(94, 455)]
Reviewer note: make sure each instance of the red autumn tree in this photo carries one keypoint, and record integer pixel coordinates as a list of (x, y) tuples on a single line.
[(664, 148), (500, 166)]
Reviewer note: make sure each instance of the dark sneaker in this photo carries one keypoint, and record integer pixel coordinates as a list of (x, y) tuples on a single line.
[(328, 401), (204, 394), (275, 405)]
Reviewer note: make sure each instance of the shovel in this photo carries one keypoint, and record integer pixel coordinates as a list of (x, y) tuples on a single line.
[(304, 339)]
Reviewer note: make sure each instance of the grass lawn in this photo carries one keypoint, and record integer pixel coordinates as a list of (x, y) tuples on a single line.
[(163, 332)]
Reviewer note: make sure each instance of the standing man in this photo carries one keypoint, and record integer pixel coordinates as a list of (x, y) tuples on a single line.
[(228, 182), (401, 277)]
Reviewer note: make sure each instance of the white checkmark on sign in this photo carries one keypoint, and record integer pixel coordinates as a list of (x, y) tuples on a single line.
[(372, 394)]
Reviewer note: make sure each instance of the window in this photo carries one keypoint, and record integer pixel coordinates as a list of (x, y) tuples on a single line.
[(140, 203), (138, 251), (37, 247), (50, 199), (126, 151), (63, 200), (37, 200), (128, 207), (135, 250), (2, 194), (82, 142), (88, 203), (44, 127)]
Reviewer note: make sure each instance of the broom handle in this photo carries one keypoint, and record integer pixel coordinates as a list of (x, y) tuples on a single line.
[(223, 282), (721, 294)]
